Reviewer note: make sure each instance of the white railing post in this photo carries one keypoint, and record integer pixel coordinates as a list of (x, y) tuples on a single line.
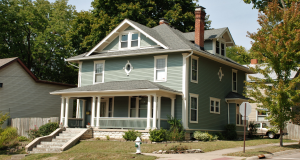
[(148, 112), (67, 112), (158, 111), (98, 111), (77, 108), (62, 110), (173, 107), (154, 112), (93, 112)]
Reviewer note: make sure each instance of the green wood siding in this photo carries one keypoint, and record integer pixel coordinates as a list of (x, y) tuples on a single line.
[(143, 69), (208, 46), (129, 28), (165, 107), (114, 45), (87, 73), (146, 41), (178, 107), (121, 107), (209, 85), (232, 113)]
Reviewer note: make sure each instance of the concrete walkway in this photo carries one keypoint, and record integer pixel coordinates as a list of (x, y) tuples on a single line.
[(214, 155)]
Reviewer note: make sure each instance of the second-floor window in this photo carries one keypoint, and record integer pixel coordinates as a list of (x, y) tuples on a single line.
[(160, 68), (234, 80), (217, 47), (129, 39), (214, 105), (99, 71), (222, 49), (194, 69)]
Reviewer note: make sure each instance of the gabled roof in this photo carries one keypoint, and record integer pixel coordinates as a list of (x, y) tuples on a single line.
[(169, 39), (234, 95), (119, 86), (7, 61)]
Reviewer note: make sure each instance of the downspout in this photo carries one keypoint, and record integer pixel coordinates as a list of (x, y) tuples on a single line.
[(185, 89)]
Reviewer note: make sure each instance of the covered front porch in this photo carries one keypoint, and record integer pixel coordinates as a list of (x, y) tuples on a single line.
[(139, 109)]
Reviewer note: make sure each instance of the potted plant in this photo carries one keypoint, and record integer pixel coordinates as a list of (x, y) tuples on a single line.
[(88, 125)]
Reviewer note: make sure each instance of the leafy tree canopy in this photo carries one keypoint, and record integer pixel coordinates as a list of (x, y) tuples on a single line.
[(35, 31), (262, 4), (239, 54), (277, 44)]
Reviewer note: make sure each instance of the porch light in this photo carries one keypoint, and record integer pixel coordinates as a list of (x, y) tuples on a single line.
[(87, 112)]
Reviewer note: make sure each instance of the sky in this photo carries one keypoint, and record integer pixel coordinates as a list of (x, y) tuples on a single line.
[(238, 16)]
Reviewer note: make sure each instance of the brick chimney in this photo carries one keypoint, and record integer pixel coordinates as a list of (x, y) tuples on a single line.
[(163, 21), (199, 26), (254, 61)]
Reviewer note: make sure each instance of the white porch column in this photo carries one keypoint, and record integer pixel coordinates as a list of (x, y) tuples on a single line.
[(154, 112), (98, 111), (77, 108), (158, 111), (67, 112), (173, 107), (93, 112), (83, 112), (62, 110), (148, 112)]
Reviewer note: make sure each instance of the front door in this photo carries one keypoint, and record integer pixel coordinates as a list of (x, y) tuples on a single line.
[(103, 109)]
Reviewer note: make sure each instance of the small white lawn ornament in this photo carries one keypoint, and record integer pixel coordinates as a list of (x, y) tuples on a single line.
[(138, 145)]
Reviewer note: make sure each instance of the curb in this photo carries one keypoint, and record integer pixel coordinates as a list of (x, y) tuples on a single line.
[(275, 154)]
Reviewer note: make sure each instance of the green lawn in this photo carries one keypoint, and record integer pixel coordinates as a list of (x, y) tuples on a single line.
[(126, 150), (265, 150)]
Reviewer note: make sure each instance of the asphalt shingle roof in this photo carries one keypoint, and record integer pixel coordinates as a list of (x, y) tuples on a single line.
[(208, 34), (234, 95), (120, 86), (4, 61)]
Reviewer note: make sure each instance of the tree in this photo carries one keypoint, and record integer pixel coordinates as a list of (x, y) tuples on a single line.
[(239, 54), (35, 31), (91, 27), (262, 4), (277, 44)]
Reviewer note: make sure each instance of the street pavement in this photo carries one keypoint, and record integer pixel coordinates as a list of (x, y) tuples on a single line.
[(295, 156), (214, 155)]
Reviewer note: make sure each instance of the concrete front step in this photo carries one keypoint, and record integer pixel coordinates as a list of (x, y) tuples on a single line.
[(67, 135), (60, 140), (48, 146), (46, 150), (52, 143), (63, 137)]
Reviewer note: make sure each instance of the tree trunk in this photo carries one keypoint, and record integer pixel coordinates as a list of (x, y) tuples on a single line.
[(281, 136)]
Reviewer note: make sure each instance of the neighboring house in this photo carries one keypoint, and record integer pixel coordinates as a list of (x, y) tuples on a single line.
[(138, 76), (23, 95), (260, 114)]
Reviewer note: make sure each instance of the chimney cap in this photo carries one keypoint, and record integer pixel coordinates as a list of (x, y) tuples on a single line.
[(163, 21), (199, 8)]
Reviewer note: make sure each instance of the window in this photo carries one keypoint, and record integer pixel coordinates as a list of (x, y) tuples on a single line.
[(129, 39), (194, 69), (239, 120), (217, 47), (110, 107), (194, 108), (132, 107), (99, 71), (261, 115), (234, 80), (222, 49), (143, 104), (215, 105), (160, 68)]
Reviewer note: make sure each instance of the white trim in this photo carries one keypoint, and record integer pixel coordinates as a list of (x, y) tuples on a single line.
[(166, 67), (234, 71), (172, 107), (154, 111), (190, 108), (228, 122), (129, 34), (158, 111), (215, 100), (62, 109), (67, 112), (236, 122), (148, 112), (94, 72), (79, 74), (185, 64), (115, 31), (197, 59)]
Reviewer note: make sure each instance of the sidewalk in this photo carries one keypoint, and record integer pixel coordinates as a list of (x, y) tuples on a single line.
[(214, 155)]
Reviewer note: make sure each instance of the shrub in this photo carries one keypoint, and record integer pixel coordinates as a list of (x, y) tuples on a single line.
[(22, 138), (220, 135), (252, 130), (158, 135), (179, 148), (8, 138), (230, 132), (33, 133), (107, 137), (131, 135), (48, 128), (203, 136), (176, 132)]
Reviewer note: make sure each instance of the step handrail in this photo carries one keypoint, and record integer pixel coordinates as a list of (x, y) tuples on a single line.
[(38, 140)]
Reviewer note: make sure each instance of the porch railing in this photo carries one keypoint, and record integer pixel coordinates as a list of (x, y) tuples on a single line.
[(75, 123), (128, 123)]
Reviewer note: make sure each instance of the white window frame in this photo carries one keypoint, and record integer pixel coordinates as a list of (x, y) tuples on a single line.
[(94, 73), (197, 59), (197, 110), (221, 41), (234, 71), (215, 100), (166, 67), (240, 116), (129, 33), (224, 49)]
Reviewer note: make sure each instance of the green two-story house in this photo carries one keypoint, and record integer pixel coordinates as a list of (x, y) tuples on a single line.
[(138, 76)]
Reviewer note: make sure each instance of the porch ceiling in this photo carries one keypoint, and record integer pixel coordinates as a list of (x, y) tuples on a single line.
[(118, 86)]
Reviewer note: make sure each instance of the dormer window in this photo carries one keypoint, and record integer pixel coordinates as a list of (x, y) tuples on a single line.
[(129, 39), (217, 47), (220, 48)]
